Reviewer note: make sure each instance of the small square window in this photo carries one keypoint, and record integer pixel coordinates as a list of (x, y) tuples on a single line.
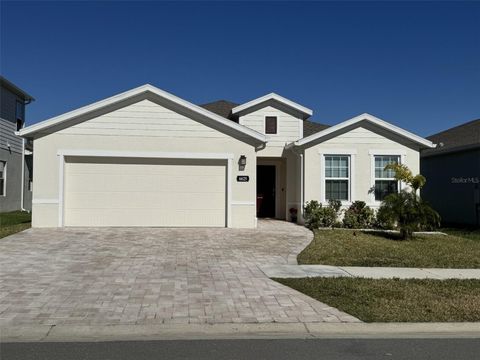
[(270, 125)]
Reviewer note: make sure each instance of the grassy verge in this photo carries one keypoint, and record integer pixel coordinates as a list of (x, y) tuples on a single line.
[(349, 248), (13, 222), (394, 300), (473, 234)]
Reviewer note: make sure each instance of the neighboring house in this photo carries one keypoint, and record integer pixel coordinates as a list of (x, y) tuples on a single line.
[(452, 170), (15, 153), (148, 158)]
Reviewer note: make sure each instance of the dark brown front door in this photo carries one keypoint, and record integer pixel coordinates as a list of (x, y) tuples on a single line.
[(266, 191)]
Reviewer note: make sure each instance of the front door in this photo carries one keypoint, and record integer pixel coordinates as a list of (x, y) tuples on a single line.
[(266, 191)]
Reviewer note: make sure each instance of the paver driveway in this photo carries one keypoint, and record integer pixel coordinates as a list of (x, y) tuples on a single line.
[(93, 276)]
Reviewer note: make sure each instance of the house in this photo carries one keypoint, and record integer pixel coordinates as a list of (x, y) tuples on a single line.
[(452, 170), (148, 158), (15, 152)]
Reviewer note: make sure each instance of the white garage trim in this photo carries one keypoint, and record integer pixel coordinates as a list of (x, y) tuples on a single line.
[(151, 155)]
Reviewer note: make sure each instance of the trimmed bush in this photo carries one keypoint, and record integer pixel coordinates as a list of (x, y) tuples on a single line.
[(317, 216), (359, 216)]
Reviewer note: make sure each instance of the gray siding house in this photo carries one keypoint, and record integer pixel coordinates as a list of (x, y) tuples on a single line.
[(15, 155), (452, 170)]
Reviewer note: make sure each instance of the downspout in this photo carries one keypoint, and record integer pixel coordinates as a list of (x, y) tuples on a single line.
[(22, 190), (302, 186)]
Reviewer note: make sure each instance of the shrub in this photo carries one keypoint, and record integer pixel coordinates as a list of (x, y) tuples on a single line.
[(406, 209), (383, 220), (317, 216), (358, 216), (409, 212)]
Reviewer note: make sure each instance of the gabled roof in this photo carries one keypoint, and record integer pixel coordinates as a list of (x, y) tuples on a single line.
[(15, 89), (371, 119), (273, 97), (458, 138), (144, 89), (220, 107)]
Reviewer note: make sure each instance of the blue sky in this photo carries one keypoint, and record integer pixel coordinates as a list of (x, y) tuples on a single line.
[(414, 64)]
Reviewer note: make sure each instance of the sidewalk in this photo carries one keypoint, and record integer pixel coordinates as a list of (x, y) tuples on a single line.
[(301, 271)]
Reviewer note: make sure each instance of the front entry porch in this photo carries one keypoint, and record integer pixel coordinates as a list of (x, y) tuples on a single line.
[(271, 188)]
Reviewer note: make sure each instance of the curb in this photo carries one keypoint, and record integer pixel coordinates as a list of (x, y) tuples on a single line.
[(68, 333)]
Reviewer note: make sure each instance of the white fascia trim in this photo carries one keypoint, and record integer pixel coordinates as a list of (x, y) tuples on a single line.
[(374, 120), (143, 154), (134, 92), (276, 97)]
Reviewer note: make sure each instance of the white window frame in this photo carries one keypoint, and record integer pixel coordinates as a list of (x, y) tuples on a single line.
[(380, 152), (4, 177), (351, 153)]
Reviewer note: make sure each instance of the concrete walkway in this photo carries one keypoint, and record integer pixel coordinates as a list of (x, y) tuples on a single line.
[(302, 271)]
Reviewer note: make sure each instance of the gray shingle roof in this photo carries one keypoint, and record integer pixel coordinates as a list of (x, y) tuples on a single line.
[(310, 128), (462, 137), (220, 107), (224, 108)]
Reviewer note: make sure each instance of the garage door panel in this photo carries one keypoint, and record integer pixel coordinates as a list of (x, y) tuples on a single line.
[(147, 183), (108, 200), (158, 217), (144, 192)]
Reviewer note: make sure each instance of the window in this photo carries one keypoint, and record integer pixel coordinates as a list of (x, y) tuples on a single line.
[(3, 177), (270, 125), (385, 184), (337, 177)]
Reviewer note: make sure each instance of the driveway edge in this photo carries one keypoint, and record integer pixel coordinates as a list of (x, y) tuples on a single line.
[(64, 333)]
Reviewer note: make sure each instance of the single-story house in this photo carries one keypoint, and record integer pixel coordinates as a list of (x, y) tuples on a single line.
[(452, 170), (148, 158)]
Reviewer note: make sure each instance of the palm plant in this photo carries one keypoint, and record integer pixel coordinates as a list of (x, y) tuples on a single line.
[(406, 208)]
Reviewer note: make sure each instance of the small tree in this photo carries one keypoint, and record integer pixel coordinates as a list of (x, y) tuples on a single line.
[(406, 208)]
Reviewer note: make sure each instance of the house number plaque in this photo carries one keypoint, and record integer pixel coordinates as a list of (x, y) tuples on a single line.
[(243, 178)]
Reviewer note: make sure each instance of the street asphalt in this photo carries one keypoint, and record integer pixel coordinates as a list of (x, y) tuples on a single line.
[(324, 349)]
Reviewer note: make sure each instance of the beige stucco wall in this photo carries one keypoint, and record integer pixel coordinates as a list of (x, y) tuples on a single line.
[(363, 142), (142, 127)]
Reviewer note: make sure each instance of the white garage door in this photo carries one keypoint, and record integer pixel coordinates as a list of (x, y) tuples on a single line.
[(144, 192)]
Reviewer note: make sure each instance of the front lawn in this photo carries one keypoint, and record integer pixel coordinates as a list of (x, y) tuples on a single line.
[(13, 222), (394, 300), (356, 248)]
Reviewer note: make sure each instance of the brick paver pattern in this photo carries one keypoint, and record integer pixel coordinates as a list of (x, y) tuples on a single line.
[(102, 276)]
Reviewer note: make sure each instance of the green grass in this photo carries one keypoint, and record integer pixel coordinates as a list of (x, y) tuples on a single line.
[(349, 248), (473, 234), (13, 222), (394, 300)]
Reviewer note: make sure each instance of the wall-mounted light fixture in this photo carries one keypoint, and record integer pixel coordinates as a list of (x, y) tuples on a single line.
[(243, 160)]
